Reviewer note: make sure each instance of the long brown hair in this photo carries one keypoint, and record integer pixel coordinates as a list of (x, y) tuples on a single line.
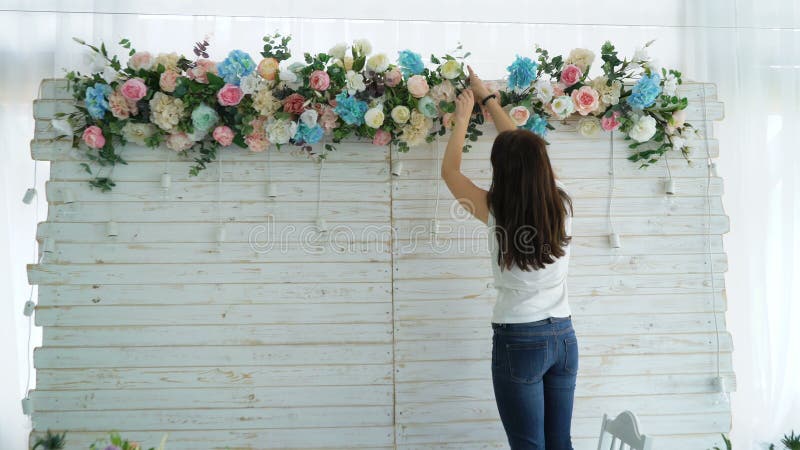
[(527, 205)]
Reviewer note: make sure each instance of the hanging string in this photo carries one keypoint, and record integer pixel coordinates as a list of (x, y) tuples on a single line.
[(319, 177), (611, 182), (38, 260), (708, 225), (219, 194), (438, 181), (666, 165)]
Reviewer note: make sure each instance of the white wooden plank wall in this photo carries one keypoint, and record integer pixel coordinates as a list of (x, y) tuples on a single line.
[(380, 339)]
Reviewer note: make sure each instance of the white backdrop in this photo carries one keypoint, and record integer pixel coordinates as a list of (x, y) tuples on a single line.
[(752, 53)]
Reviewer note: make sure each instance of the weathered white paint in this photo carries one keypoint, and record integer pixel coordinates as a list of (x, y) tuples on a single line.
[(375, 335)]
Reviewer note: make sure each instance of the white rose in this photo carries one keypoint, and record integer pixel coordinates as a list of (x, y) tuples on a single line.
[(249, 84), (401, 114), (581, 57), (309, 117), (355, 82), (450, 69), (589, 126), (655, 66), (338, 50), (378, 63), (643, 129), (280, 131), (544, 90), (563, 106), (362, 47), (374, 117), (289, 78), (137, 132)]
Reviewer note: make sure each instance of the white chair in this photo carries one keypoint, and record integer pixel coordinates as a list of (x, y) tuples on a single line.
[(624, 431)]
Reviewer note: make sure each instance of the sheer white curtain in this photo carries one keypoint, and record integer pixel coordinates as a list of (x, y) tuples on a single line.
[(751, 52)]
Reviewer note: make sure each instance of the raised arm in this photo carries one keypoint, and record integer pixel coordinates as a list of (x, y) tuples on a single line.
[(501, 119), (471, 197)]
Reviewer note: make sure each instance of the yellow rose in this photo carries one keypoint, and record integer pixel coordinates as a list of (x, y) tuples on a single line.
[(267, 68), (450, 69), (401, 114)]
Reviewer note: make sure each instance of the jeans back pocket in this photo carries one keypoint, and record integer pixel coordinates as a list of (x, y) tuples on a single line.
[(571, 354), (526, 361)]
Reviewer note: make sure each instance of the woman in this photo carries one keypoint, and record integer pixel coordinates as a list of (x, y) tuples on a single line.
[(529, 214)]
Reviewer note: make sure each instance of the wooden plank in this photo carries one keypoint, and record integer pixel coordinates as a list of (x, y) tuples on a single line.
[(238, 334), (214, 294), (230, 191), (209, 272), (584, 325), (351, 313), (623, 344), (367, 438), (211, 211), (190, 356), (213, 376), (577, 187), (213, 398)]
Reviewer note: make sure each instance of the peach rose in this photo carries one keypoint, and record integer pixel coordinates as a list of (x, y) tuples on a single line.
[(393, 77), (134, 89), (448, 120), (586, 100), (93, 137), (223, 135), (319, 80), (230, 95), (519, 115), (327, 117), (267, 68), (571, 74), (418, 86), (141, 60), (558, 89), (293, 104), (200, 71), (382, 137), (168, 80), (179, 141)]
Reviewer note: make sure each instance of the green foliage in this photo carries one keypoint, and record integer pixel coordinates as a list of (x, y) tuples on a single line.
[(791, 441), (277, 46), (50, 441)]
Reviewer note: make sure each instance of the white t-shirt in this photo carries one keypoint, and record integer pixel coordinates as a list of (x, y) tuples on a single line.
[(530, 296)]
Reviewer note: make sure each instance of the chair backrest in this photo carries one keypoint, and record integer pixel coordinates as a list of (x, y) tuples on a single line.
[(624, 431)]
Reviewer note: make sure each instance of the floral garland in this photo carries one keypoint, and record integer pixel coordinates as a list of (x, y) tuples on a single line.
[(200, 105)]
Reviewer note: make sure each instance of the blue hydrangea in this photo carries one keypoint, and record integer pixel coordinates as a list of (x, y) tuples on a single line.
[(427, 106), (521, 73), (410, 63), (309, 135), (350, 109), (537, 124), (645, 91), (237, 65), (97, 100)]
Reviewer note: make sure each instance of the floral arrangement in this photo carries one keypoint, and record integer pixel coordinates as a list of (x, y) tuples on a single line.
[(196, 106), (116, 442)]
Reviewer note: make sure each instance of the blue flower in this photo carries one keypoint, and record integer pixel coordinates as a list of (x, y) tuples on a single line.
[(521, 73), (645, 91), (537, 124), (97, 100), (237, 65), (350, 109), (309, 135), (410, 63), (427, 106)]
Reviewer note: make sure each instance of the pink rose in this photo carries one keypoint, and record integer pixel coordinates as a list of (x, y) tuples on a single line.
[(229, 95), (223, 135), (141, 60), (168, 80), (418, 86), (393, 77), (93, 137), (610, 123), (118, 105), (200, 71), (179, 141), (267, 68), (319, 80), (558, 89), (571, 74), (327, 118), (382, 137), (586, 100), (293, 104), (519, 115), (257, 140), (134, 89)]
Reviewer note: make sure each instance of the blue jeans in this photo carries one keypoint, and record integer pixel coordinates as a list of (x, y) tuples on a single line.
[(534, 369)]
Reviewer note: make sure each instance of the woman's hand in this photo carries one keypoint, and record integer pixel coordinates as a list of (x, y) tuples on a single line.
[(476, 84), (465, 102)]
